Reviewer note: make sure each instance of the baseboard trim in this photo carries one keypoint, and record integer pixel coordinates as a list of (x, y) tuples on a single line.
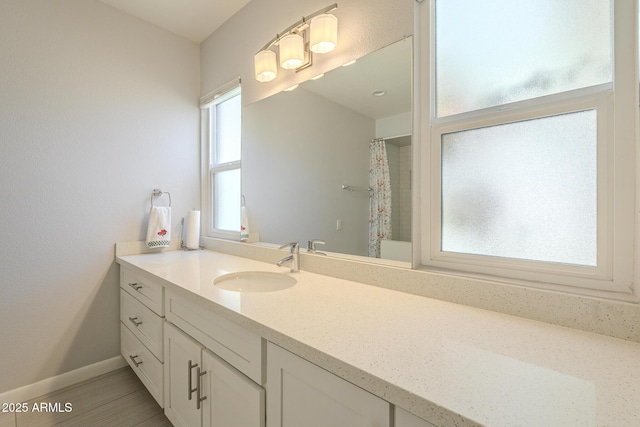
[(49, 385)]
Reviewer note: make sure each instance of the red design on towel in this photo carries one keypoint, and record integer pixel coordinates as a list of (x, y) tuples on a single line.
[(162, 232)]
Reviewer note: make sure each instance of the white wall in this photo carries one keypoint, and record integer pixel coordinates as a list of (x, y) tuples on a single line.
[(96, 109), (391, 127)]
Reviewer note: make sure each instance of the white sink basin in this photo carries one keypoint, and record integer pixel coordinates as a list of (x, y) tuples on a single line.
[(254, 281)]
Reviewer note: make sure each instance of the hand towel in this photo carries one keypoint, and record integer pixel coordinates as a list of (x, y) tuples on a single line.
[(244, 225), (159, 228)]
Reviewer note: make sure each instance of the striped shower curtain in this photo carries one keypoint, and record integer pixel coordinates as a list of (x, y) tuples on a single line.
[(380, 197)]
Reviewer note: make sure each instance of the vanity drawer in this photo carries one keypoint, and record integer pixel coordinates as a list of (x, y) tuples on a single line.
[(237, 346), (143, 362), (144, 290), (142, 322)]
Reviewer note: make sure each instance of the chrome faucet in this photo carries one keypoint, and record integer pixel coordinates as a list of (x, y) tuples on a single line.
[(294, 257), (311, 246)]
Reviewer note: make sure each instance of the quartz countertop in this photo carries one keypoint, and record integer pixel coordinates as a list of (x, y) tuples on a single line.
[(450, 364)]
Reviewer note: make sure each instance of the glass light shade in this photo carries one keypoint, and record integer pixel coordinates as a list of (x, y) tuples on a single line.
[(324, 33), (291, 51), (265, 66)]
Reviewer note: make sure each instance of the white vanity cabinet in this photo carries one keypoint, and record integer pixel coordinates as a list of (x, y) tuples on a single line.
[(200, 387), (206, 370), (234, 400), (141, 329), (183, 373), (406, 419), (302, 394)]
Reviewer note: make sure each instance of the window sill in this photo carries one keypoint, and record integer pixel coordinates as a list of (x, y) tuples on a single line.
[(534, 285)]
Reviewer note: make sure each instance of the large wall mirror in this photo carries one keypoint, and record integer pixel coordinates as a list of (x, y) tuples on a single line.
[(300, 148)]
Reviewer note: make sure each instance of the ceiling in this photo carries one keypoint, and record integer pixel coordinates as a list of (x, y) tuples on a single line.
[(192, 19), (387, 70)]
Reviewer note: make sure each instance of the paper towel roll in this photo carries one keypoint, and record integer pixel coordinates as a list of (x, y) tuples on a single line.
[(193, 230)]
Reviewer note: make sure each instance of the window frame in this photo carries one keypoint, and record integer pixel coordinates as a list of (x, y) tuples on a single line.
[(209, 166), (617, 106)]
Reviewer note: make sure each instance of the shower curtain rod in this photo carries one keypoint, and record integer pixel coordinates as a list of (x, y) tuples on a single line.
[(389, 137)]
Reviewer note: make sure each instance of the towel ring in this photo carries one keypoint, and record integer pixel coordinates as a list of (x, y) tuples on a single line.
[(158, 193)]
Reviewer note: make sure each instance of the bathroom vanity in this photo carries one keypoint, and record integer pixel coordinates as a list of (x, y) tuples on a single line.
[(333, 352)]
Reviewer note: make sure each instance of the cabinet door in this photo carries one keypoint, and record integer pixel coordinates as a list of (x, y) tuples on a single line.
[(405, 419), (233, 400), (302, 394), (181, 380)]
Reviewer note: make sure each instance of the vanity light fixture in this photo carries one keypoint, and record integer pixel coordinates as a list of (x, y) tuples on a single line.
[(324, 33), (292, 54), (316, 33), (265, 64)]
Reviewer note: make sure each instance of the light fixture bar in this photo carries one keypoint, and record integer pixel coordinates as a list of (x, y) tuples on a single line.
[(315, 33), (298, 26)]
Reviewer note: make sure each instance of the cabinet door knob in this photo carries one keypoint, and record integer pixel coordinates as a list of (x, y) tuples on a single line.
[(133, 359), (135, 286), (135, 321)]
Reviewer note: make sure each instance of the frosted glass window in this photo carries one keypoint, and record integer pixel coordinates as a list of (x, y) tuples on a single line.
[(523, 190), (226, 200), (228, 115), (492, 52)]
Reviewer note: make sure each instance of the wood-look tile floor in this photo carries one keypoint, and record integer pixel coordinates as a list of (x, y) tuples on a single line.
[(116, 399)]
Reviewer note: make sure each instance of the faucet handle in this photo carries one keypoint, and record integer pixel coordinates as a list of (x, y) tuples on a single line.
[(295, 246), (311, 246)]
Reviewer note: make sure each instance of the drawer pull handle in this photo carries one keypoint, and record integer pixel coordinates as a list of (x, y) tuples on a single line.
[(135, 362), (135, 321), (199, 397), (135, 286), (190, 386)]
